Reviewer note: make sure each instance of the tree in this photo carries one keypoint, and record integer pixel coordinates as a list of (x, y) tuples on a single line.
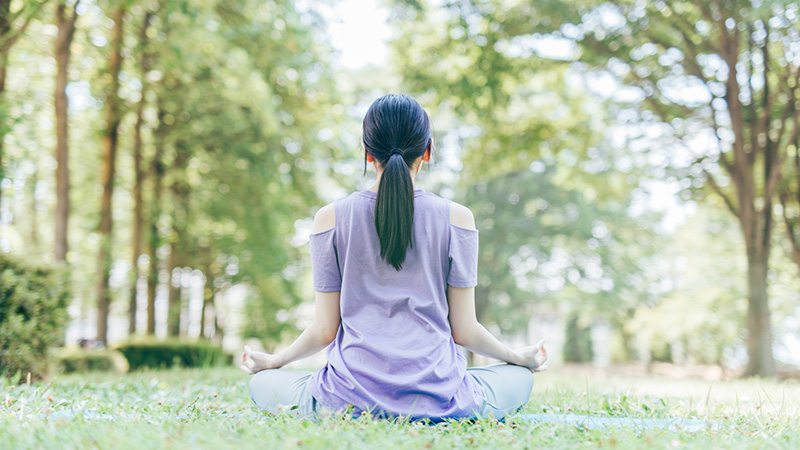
[(66, 31), (713, 329), (110, 137), (138, 187), (156, 175), (789, 195), (536, 171), (224, 125), (9, 35), (736, 53), (717, 79)]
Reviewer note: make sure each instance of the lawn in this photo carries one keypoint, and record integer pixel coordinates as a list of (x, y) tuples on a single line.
[(210, 408)]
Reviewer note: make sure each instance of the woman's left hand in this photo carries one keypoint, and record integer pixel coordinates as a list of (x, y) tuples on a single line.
[(253, 361), (533, 357)]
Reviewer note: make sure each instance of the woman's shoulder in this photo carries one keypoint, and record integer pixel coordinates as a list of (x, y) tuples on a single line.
[(458, 214), (461, 216), (324, 219)]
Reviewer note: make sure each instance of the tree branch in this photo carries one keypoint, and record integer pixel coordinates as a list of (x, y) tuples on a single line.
[(789, 224), (12, 36), (751, 107), (713, 182)]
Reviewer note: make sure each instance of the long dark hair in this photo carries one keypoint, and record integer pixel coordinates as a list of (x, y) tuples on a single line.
[(396, 131)]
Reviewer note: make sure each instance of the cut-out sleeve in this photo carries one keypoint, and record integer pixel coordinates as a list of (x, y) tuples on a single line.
[(325, 262), (463, 257)]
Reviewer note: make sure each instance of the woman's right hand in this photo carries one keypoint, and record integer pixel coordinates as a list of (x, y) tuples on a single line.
[(253, 361), (533, 357)]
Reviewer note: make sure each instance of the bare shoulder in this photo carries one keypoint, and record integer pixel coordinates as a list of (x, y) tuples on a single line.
[(461, 216), (325, 219)]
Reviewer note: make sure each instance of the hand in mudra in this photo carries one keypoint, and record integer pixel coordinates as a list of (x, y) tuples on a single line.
[(253, 361), (533, 357)]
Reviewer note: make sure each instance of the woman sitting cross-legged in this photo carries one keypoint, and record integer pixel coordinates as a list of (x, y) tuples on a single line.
[(394, 271)]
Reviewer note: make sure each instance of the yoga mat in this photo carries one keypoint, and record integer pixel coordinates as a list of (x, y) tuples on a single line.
[(601, 423)]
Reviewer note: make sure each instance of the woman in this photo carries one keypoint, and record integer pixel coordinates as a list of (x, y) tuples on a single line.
[(394, 271)]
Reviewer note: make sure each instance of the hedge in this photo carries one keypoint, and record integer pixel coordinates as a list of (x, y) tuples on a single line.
[(33, 316), (96, 360), (169, 353)]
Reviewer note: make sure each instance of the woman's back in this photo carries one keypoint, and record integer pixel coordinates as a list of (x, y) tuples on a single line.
[(394, 351), (394, 282)]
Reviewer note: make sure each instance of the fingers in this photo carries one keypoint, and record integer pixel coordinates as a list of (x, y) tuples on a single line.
[(247, 361)]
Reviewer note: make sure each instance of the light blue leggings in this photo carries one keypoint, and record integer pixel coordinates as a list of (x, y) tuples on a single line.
[(506, 389)]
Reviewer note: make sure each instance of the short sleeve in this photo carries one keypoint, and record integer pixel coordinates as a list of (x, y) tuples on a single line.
[(463, 257), (325, 262)]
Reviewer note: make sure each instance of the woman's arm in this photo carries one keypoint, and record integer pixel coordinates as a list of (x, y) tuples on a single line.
[(317, 336), (321, 331), (466, 329), (470, 334)]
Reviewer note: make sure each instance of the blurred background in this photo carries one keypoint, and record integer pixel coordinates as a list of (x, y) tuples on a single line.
[(633, 167)]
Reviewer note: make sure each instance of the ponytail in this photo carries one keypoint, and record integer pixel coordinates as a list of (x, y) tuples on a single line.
[(394, 210), (399, 123)]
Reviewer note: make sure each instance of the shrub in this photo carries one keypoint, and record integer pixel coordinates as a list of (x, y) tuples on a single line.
[(33, 316), (168, 353), (100, 360)]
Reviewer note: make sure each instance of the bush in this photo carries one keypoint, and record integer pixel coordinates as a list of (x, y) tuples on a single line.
[(33, 316), (99, 360), (162, 354)]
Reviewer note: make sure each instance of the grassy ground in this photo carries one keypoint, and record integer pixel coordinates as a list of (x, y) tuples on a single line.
[(181, 409)]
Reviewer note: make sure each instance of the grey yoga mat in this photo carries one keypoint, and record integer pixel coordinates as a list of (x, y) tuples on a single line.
[(601, 423)]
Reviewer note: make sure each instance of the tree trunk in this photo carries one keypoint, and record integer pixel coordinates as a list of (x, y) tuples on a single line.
[(8, 37), (174, 298), (759, 339), (217, 332), (178, 257), (157, 169), (34, 213), (208, 298), (152, 275), (5, 28), (109, 162), (3, 64), (138, 222), (66, 32)]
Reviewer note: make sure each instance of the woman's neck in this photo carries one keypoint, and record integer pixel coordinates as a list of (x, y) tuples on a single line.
[(374, 188)]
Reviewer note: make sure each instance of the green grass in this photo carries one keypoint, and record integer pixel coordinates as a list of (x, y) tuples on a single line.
[(754, 414)]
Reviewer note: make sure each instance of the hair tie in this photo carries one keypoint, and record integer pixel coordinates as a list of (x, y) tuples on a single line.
[(396, 151)]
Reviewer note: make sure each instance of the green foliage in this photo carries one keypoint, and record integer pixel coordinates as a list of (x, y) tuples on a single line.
[(169, 353), (100, 360), (239, 119), (703, 311), (549, 198), (235, 96), (33, 315), (542, 243)]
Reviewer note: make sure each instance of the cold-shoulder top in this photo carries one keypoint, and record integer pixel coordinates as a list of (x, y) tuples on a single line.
[(394, 352)]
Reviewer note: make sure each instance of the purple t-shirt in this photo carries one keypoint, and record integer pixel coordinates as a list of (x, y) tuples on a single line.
[(394, 352)]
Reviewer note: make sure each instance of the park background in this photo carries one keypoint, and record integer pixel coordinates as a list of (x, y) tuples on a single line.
[(632, 166)]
